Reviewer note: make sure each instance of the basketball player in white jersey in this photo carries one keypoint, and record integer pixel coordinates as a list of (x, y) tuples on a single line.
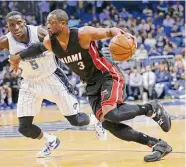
[(43, 79)]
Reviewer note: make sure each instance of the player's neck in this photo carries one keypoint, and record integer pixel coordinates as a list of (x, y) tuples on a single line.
[(64, 36)]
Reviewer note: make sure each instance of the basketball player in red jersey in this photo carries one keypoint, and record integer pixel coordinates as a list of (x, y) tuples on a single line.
[(105, 83)]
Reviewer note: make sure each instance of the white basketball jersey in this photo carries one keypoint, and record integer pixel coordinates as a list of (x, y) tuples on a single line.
[(38, 66)]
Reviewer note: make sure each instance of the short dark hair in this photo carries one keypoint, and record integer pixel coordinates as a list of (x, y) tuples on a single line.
[(13, 13), (60, 14)]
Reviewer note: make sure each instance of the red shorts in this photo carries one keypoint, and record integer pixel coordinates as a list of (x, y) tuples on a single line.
[(106, 91)]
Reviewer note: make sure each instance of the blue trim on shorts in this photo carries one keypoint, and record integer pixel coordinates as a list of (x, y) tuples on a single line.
[(64, 80)]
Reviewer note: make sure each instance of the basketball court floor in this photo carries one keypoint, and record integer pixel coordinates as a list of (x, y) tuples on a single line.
[(80, 148)]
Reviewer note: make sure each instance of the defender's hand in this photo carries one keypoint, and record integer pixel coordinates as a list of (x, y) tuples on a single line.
[(14, 62)]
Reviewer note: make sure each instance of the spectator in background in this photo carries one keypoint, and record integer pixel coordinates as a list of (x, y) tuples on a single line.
[(179, 63), (152, 28), (124, 14), (2, 97), (138, 20), (109, 23), (139, 38), (174, 75), (175, 31), (104, 15), (178, 9), (176, 35), (162, 7), (160, 44), (4, 8), (122, 23), (153, 52), (73, 22), (168, 21), (168, 50), (141, 53), (150, 41), (135, 85), (181, 68), (95, 22), (178, 90), (176, 49), (6, 86), (143, 26), (33, 20), (179, 21), (44, 9), (114, 14), (162, 81), (147, 12), (149, 81), (13, 5), (130, 21), (161, 74), (160, 32), (155, 67), (3, 70)]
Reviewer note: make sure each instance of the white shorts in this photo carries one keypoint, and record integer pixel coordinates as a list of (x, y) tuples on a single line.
[(54, 88)]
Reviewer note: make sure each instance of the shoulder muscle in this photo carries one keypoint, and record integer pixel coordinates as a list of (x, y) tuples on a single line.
[(42, 32), (47, 42)]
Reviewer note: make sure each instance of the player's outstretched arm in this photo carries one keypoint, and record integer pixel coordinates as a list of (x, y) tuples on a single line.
[(87, 34), (4, 43), (31, 51), (93, 33), (34, 49)]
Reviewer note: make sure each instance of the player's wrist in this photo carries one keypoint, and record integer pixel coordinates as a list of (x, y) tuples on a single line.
[(116, 31), (21, 56), (18, 57)]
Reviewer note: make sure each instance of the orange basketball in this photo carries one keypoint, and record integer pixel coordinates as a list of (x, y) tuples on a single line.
[(122, 47)]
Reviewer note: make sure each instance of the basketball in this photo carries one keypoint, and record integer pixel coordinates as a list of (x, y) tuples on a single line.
[(122, 47)]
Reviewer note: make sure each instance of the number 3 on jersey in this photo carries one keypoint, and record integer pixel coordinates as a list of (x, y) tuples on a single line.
[(34, 64), (81, 65)]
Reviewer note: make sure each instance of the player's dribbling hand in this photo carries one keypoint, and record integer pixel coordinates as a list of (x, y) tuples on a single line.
[(14, 62), (133, 37)]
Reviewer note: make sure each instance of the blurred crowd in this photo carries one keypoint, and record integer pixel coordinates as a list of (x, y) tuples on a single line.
[(159, 27), (163, 79)]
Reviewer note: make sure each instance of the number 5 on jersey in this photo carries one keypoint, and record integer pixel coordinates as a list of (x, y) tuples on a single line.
[(34, 64)]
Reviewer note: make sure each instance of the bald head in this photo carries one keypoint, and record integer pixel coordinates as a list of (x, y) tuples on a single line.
[(61, 15), (57, 22)]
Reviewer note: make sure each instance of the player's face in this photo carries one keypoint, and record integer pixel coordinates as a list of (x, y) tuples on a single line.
[(17, 26), (54, 26)]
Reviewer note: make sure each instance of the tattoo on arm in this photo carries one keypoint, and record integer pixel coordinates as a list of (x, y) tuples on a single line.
[(109, 33)]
